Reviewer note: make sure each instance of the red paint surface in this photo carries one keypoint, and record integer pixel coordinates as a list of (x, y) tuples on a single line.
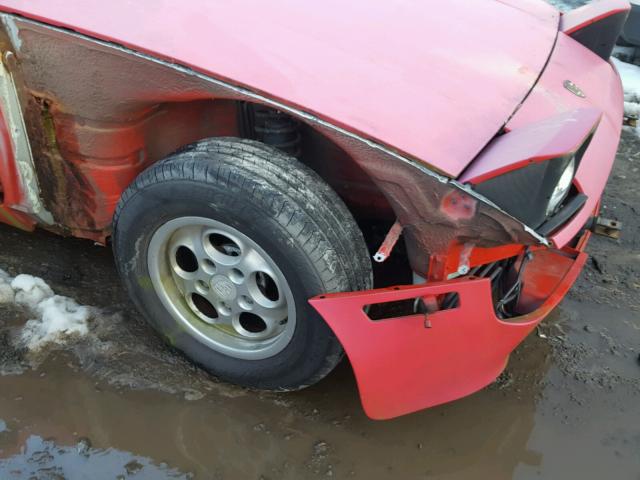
[(389, 242), (446, 264), (602, 86), (402, 366), (12, 194), (110, 155), (411, 74), (553, 137)]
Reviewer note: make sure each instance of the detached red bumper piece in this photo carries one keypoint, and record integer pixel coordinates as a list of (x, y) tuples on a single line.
[(406, 364)]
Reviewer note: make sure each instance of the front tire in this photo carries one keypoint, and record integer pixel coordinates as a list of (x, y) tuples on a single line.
[(220, 247)]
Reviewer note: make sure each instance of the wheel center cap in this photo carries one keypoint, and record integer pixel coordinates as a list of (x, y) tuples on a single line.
[(223, 287)]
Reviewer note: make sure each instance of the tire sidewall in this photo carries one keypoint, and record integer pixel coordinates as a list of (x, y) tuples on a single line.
[(160, 203)]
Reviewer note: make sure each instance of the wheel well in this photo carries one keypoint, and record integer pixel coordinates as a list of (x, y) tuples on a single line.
[(159, 130), (340, 171), (337, 168), (202, 119)]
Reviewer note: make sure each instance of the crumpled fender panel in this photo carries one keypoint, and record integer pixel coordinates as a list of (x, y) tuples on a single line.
[(406, 364), (94, 133)]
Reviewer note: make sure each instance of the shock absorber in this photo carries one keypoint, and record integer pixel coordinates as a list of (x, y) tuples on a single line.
[(270, 126)]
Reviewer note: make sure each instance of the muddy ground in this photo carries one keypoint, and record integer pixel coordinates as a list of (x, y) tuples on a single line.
[(118, 404)]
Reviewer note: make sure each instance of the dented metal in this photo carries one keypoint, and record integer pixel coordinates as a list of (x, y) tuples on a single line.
[(434, 210)]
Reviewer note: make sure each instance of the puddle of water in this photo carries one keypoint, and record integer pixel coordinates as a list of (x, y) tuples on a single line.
[(41, 459), (567, 407), (315, 434), (535, 422)]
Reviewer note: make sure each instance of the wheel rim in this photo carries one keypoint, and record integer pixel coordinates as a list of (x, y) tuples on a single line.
[(222, 287)]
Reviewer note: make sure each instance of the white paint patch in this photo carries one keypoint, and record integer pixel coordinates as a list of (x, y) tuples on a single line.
[(57, 318)]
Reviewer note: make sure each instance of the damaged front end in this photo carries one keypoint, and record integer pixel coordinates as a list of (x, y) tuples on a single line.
[(498, 247), (489, 279), (408, 363)]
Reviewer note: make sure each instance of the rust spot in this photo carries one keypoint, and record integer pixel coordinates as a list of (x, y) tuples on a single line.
[(457, 206), (61, 184)]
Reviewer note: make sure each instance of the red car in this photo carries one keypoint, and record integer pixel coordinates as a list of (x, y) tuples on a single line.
[(248, 160)]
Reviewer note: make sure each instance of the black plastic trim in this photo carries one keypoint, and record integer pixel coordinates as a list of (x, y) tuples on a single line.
[(525, 192), (572, 207), (600, 37)]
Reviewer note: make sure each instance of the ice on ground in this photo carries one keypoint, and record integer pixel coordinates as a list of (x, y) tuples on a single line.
[(30, 291), (567, 5), (6, 293), (626, 54), (57, 317), (630, 74)]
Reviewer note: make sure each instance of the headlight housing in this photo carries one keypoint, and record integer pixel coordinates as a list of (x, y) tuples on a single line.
[(562, 189), (537, 191)]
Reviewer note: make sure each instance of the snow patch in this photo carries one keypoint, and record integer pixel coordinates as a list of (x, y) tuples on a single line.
[(567, 5), (57, 317), (30, 291), (630, 74)]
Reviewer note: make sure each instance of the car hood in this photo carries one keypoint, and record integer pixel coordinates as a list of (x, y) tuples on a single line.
[(434, 80)]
